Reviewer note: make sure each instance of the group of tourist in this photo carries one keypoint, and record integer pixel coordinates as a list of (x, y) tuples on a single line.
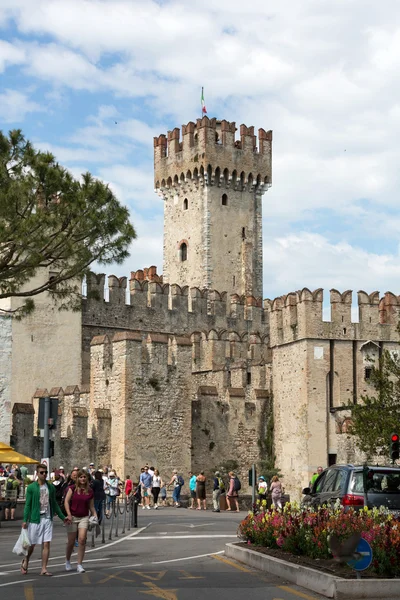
[(78, 498)]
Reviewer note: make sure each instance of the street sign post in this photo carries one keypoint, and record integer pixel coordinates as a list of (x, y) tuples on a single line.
[(362, 563)]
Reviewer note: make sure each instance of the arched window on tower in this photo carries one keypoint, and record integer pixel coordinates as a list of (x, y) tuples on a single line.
[(183, 252), (185, 204), (224, 200)]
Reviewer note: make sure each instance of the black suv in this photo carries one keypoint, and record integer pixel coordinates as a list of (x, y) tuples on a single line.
[(356, 486)]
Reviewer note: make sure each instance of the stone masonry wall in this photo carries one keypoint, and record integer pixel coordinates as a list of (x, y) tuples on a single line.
[(147, 394), (229, 418), (5, 378)]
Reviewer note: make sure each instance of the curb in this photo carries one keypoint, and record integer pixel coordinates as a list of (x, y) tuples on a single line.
[(316, 581)]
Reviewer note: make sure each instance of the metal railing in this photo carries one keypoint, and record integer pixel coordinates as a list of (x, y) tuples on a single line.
[(120, 516)]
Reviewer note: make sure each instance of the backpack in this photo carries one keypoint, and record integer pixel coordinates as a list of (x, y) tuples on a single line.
[(221, 484), (236, 484), (180, 480), (9, 486)]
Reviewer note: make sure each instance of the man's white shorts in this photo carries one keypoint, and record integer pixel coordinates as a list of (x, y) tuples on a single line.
[(40, 532)]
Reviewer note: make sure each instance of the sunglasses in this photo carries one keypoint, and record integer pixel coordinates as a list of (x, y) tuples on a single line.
[(43, 472)]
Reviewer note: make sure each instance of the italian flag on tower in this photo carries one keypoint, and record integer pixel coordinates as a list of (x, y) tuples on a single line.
[(203, 104)]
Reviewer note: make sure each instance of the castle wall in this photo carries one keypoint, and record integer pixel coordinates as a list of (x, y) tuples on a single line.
[(147, 395), (5, 378), (45, 345), (228, 422)]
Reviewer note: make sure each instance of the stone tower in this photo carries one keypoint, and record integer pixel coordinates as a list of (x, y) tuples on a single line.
[(212, 187)]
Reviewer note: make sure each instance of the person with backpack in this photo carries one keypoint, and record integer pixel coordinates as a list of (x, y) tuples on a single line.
[(218, 489), (10, 504), (178, 482), (233, 492)]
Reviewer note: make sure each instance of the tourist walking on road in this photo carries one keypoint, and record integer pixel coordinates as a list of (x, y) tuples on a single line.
[(79, 504), (192, 488), (146, 482), (177, 482), (201, 491), (156, 486), (233, 493), (262, 491), (111, 489), (276, 492), (40, 507), (99, 495), (218, 489)]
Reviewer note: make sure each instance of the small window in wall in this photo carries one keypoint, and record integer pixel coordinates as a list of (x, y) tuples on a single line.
[(367, 373), (248, 377), (185, 204), (243, 233), (183, 252), (224, 200)]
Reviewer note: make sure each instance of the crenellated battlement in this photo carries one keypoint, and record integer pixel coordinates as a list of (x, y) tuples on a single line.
[(299, 315), (209, 154), (150, 305)]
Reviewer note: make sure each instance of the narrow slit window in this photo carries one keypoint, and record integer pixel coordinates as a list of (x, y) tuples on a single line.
[(367, 373), (224, 200), (243, 233), (185, 204), (183, 252)]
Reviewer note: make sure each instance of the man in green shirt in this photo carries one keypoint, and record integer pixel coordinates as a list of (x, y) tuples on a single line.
[(315, 476), (40, 507)]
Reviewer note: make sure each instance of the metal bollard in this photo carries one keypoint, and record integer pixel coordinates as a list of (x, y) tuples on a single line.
[(125, 509), (116, 509), (112, 522), (135, 511), (103, 524)]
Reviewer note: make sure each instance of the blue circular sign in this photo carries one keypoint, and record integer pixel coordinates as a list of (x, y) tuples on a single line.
[(362, 563)]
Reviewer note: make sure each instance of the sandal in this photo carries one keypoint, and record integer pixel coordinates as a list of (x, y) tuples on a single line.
[(24, 567), (47, 574)]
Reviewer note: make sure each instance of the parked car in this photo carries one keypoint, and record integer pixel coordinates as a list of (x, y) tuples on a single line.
[(355, 487)]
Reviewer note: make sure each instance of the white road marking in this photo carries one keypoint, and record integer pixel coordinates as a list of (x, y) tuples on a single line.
[(162, 562), (57, 565), (102, 547), (15, 582), (202, 525), (185, 537)]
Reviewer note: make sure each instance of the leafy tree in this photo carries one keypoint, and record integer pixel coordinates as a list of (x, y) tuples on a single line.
[(378, 415), (49, 219)]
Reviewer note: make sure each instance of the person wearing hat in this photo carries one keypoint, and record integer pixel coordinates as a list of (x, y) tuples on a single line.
[(262, 491), (91, 469), (218, 489)]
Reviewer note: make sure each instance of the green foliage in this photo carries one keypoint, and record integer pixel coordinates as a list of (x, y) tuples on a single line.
[(49, 219), (266, 465), (378, 415)]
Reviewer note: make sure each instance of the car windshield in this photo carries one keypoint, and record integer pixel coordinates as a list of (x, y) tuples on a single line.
[(378, 482)]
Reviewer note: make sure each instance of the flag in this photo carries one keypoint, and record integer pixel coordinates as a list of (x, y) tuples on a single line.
[(203, 104)]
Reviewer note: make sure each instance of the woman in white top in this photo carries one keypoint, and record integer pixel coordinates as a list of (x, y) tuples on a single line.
[(157, 485)]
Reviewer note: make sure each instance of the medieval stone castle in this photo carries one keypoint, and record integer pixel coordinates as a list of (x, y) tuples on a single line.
[(191, 368)]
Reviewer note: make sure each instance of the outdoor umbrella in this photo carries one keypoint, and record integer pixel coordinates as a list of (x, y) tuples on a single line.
[(8, 455)]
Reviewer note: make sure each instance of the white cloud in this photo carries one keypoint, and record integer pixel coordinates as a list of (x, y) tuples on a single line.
[(10, 55), (322, 75), (14, 106), (310, 260)]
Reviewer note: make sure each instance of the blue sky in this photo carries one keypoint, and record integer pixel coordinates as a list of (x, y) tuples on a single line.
[(323, 75)]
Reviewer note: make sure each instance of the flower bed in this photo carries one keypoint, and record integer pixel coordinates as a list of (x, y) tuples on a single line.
[(305, 532)]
